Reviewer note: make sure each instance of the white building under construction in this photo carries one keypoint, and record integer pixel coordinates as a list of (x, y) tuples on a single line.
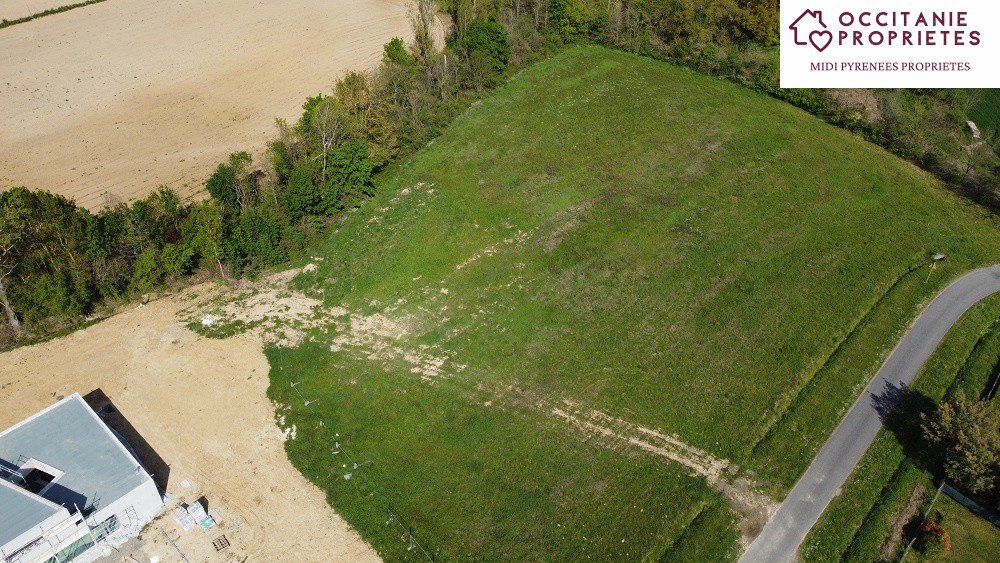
[(69, 487)]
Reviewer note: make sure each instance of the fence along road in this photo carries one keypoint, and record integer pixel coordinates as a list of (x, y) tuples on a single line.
[(781, 537)]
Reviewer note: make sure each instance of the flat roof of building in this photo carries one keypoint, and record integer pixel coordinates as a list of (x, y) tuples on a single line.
[(21, 510), (95, 468)]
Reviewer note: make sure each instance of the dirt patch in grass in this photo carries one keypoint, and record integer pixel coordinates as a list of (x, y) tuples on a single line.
[(387, 336), (515, 240), (266, 307), (902, 520)]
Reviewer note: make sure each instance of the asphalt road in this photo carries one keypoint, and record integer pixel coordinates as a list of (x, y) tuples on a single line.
[(780, 539)]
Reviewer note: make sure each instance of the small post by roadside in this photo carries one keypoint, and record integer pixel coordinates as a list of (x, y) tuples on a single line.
[(938, 257)]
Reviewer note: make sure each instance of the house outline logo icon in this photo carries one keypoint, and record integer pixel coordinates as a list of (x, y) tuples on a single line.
[(820, 39)]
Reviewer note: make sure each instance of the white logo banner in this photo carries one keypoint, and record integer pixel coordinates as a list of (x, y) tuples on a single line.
[(890, 44)]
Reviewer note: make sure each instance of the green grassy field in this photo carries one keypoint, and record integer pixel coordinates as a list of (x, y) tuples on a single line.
[(986, 112), (607, 233), (973, 539)]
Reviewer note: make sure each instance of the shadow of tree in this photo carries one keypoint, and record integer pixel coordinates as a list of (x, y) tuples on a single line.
[(886, 401), (899, 408)]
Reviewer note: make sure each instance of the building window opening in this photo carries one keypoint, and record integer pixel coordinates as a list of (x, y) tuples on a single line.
[(105, 529), (72, 551)]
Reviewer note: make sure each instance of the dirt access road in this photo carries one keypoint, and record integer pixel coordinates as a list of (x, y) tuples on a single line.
[(201, 405), (107, 102)]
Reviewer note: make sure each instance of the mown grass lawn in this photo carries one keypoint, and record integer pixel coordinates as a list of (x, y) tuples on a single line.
[(627, 237), (973, 539)]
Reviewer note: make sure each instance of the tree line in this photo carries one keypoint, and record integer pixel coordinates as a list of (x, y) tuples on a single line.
[(60, 263)]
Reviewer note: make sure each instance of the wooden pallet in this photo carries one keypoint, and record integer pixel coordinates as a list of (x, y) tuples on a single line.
[(220, 543)]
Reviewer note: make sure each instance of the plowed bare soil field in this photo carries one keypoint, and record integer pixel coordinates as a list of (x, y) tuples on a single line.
[(108, 102)]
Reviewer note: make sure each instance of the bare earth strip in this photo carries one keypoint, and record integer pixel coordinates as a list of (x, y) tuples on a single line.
[(201, 405), (110, 101)]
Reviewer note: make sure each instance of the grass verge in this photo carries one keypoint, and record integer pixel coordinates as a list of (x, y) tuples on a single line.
[(51, 11), (856, 525), (973, 539)]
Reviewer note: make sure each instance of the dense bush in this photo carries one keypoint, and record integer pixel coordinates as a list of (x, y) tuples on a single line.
[(933, 540), (965, 442), (490, 38)]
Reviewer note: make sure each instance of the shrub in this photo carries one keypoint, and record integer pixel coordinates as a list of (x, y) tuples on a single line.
[(933, 539), (147, 272), (570, 18), (395, 52), (301, 198), (178, 259), (352, 173), (489, 38)]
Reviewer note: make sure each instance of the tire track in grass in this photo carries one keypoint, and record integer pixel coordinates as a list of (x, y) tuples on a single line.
[(752, 508)]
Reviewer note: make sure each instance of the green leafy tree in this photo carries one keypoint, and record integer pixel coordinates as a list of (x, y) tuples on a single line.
[(15, 235), (301, 197), (479, 72), (255, 241), (966, 436), (147, 273), (177, 259), (308, 108), (53, 295), (327, 128), (281, 160), (204, 231), (159, 214), (41, 235), (370, 116), (758, 21), (569, 18), (352, 172), (489, 38), (232, 182), (422, 22), (395, 52)]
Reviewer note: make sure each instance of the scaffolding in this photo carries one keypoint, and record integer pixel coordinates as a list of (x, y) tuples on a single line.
[(12, 476), (51, 538), (114, 531)]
